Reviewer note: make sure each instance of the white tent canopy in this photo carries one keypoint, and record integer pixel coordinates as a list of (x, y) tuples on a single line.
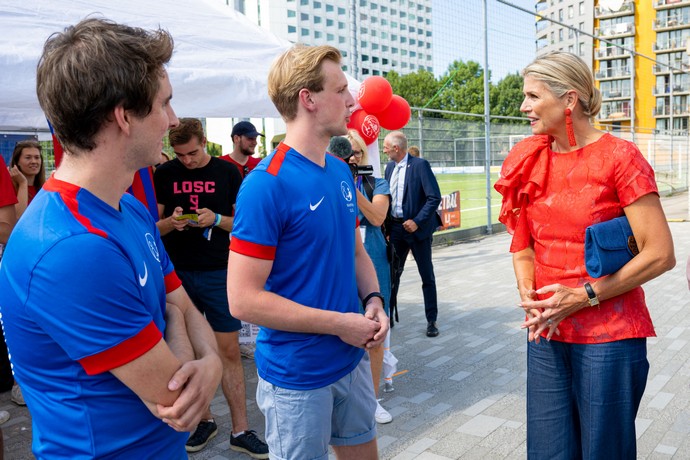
[(218, 69)]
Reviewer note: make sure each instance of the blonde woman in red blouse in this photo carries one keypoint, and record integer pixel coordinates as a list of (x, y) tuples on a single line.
[(586, 356)]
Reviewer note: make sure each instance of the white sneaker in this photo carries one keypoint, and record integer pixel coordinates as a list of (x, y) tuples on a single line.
[(382, 415), (247, 350), (4, 416), (17, 396)]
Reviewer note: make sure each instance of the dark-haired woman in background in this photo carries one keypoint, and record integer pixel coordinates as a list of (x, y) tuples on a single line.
[(28, 173)]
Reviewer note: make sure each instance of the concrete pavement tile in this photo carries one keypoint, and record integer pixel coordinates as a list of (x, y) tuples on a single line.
[(385, 441), (682, 423), (677, 345), (405, 456), (430, 351), (421, 397), (439, 361), (481, 425), (479, 407), (432, 456), (440, 408), (460, 376), (675, 332), (641, 425), (421, 445), (656, 384), (660, 400), (668, 450)]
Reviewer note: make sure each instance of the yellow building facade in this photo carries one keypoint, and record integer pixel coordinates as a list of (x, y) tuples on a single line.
[(637, 91)]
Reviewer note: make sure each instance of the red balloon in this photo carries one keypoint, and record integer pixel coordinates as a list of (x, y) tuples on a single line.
[(366, 125), (396, 115), (375, 94)]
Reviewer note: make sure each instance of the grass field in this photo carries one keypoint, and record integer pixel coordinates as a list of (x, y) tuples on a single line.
[(472, 189)]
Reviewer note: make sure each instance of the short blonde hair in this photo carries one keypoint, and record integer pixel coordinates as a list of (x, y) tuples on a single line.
[(563, 72), (413, 150), (358, 143), (298, 68)]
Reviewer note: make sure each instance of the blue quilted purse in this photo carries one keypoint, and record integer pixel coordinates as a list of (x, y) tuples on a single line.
[(608, 246)]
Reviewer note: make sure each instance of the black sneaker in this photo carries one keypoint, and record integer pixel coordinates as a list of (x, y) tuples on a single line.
[(250, 444), (205, 431)]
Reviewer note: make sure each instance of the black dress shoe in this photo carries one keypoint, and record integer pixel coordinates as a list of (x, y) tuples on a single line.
[(431, 329)]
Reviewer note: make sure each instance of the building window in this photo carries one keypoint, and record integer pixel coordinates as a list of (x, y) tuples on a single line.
[(582, 8), (329, 8), (330, 37), (341, 11), (582, 49), (318, 34), (304, 17), (341, 25), (304, 2), (292, 13), (375, 60), (374, 46), (365, 71), (373, 6), (304, 32), (292, 29), (341, 39), (560, 15), (384, 48), (560, 34), (571, 12), (365, 57), (329, 22), (317, 19), (317, 5)]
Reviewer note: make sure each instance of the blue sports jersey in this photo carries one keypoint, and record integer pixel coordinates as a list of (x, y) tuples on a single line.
[(302, 217), (82, 291)]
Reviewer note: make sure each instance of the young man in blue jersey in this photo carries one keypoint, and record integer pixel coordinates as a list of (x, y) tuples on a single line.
[(298, 268), (113, 358)]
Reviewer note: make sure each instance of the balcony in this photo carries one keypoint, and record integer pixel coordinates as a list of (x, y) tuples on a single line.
[(627, 8), (616, 94), (610, 52), (615, 112), (666, 4), (665, 90), (671, 22), (612, 73), (664, 69), (615, 31), (669, 45), (679, 110), (542, 25), (541, 6)]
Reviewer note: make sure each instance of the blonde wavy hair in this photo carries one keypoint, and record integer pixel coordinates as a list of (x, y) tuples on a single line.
[(358, 144)]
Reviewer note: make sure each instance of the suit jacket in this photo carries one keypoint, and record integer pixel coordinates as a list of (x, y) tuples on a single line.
[(421, 195)]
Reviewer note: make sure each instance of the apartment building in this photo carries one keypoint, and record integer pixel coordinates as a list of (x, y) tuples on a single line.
[(552, 33), (374, 36)]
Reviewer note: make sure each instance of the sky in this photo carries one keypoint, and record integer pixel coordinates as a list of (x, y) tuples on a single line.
[(459, 34)]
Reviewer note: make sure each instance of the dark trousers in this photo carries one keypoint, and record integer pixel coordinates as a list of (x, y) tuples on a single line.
[(404, 242)]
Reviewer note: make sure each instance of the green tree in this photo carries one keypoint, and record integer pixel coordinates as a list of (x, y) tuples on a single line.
[(506, 97), (464, 88), (417, 88)]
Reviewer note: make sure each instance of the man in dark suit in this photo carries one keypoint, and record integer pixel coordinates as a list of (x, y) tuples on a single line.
[(415, 196)]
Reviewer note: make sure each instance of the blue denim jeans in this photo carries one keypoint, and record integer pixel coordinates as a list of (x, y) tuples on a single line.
[(582, 399)]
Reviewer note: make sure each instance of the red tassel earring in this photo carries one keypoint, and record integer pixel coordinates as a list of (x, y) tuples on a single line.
[(569, 128)]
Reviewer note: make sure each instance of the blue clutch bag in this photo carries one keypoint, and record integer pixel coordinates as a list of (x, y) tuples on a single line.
[(608, 246)]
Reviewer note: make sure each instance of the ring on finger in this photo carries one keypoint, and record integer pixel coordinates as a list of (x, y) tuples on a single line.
[(549, 321)]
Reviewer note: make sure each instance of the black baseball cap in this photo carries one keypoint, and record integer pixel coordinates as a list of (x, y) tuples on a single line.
[(245, 128)]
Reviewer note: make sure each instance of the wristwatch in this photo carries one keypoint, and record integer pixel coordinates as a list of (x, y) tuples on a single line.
[(593, 298)]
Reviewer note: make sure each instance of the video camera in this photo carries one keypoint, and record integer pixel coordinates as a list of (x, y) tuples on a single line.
[(365, 170)]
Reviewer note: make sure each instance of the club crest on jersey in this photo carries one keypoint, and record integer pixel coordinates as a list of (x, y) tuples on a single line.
[(152, 246), (346, 191)]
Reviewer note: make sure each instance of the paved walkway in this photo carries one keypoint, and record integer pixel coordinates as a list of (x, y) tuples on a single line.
[(461, 395)]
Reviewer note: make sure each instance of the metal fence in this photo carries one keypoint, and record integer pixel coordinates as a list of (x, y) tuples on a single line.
[(456, 150)]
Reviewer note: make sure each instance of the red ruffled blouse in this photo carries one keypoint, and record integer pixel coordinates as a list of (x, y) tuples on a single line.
[(549, 199)]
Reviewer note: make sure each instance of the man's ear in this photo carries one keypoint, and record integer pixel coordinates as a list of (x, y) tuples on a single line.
[(306, 99), (122, 118)]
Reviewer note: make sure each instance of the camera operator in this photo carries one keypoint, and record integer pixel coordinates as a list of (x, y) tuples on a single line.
[(373, 200)]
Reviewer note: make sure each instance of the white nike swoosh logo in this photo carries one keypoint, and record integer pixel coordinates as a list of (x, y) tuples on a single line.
[(142, 279), (314, 206)]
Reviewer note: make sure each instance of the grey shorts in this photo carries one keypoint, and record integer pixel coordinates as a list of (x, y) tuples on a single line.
[(302, 423)]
